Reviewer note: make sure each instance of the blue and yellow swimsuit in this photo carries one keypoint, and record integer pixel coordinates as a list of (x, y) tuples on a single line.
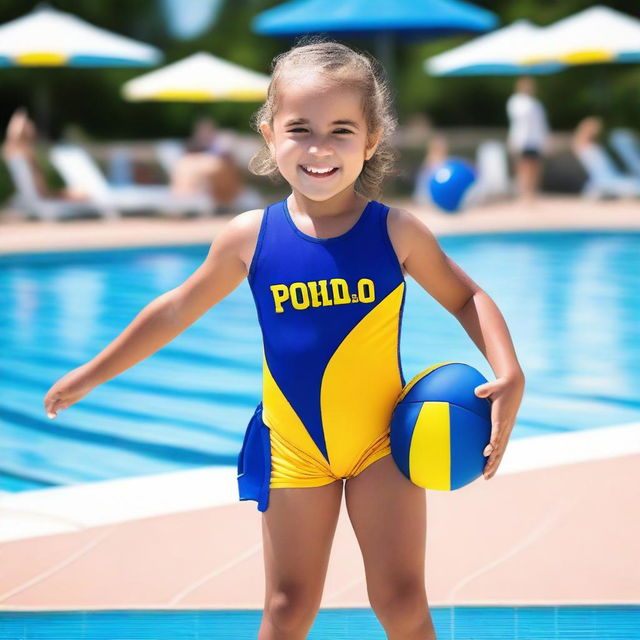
[(330, 311)]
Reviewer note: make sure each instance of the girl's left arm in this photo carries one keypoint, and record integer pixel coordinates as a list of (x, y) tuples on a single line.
[(443, 279)]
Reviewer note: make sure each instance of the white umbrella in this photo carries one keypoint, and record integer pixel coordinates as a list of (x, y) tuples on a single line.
[(494, 53), (47, 37), (595, 35), (199, 78)]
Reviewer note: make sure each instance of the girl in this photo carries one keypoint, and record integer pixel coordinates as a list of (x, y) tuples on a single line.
[(326, 268)]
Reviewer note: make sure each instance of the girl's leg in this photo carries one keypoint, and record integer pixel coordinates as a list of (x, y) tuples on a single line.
[(297, 533), (388, 514)]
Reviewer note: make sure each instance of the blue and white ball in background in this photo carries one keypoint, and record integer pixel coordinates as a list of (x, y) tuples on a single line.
[(440, 428), (449, 183)]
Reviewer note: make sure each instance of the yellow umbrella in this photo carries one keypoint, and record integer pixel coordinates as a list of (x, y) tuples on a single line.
[(595, 35), (201, 77), (47, 37)]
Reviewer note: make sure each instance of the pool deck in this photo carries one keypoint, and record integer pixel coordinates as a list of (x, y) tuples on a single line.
[(557, 525), (18, 235)]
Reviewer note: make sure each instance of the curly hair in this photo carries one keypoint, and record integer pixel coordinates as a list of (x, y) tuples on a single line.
[(347, 67)]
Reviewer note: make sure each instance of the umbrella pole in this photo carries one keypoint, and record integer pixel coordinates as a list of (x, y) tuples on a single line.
[(602, 95), (384, 53), (42, 107)]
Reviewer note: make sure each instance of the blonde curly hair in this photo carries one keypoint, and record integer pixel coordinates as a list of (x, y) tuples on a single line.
[(347, 67)]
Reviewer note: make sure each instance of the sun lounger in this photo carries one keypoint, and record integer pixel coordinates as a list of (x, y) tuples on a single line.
[(29, 200), (492, 167), (168, 152), (604, 179), (625, 144), (80, 171)]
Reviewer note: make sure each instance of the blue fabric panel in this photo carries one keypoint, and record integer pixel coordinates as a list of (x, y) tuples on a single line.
[(254, 462)]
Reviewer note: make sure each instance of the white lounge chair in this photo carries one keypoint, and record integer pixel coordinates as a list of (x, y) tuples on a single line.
[(29, 199), (625, 144), (80, 171), (492, 167), (604, 179), (168, 152)]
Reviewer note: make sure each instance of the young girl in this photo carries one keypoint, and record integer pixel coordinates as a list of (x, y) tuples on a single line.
[(326, 267)]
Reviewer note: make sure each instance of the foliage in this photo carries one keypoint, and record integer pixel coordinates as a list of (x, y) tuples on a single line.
[(90, 98)]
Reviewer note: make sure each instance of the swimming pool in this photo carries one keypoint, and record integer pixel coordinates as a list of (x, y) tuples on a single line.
[(451, 623), (570, 299)]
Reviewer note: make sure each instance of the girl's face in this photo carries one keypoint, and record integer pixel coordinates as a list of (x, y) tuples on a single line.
[(319, 126)]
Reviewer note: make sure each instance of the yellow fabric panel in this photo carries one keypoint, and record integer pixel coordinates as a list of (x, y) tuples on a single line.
[(361, 383), (280, 416), (378, 449), (588, 57), (430, 452), (41, 59), (188, 95), (418, 376), (204, 95), (583, 56), (293, 468)]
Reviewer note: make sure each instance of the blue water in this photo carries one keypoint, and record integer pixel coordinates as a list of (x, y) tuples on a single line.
[(458, 623), (571, 301)]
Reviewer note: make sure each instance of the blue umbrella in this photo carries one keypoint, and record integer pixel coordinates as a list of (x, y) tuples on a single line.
[(412, 19)]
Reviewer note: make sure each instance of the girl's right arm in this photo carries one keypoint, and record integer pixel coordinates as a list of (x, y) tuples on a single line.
[(165, 317)]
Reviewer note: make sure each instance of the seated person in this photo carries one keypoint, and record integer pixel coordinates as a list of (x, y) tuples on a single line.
[(208, 166), (20, 142), (435, 154), (603, 176)]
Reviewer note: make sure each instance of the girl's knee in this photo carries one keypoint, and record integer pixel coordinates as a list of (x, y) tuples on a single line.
[(292, 610), (403, 607)]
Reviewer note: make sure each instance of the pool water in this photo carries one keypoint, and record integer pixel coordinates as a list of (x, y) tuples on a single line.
[(571, 301), (451, 623)]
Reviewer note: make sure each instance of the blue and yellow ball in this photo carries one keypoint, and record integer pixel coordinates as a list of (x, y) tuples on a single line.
[(440, 428)]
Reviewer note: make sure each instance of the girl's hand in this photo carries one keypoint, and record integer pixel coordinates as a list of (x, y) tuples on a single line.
[(505, 394), (67, 391)]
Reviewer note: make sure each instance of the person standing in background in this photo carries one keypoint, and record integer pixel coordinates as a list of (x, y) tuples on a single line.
[(528, 134)]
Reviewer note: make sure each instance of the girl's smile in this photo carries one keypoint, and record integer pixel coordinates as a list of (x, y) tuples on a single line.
[(319, 173)]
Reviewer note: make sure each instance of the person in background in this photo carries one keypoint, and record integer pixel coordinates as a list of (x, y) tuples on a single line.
[(435, 154), (604, 179), (20, 142), (208, 166), (528, 134)]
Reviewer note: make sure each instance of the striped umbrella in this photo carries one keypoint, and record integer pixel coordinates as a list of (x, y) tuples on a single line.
[(201, 77), (596, 35), (491, 54), (50, 38)]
